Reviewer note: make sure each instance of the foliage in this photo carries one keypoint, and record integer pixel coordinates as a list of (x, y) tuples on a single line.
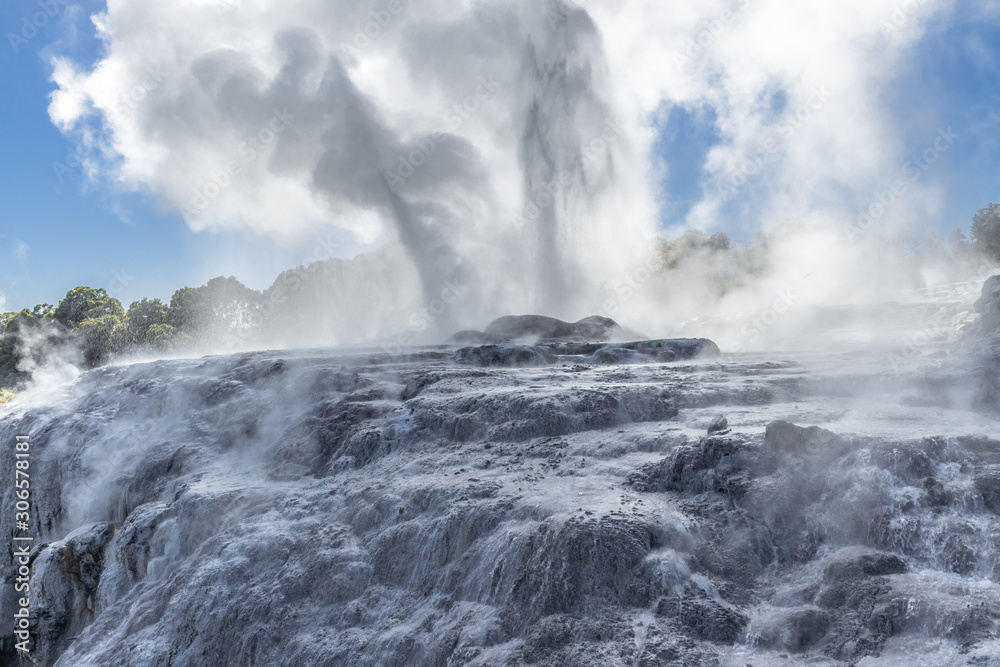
[(986, 230), (166, 338), (142, 315), (84, 303), (102, 337), (188, 309), (222, 305)]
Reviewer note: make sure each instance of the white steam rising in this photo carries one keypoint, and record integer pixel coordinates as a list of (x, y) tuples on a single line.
[(509, 146)]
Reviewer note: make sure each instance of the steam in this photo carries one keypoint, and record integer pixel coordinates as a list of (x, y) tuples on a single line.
[(52, 364), (508, 147)]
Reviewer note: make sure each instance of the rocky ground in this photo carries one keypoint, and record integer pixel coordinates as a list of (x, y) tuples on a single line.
[(513, 504)]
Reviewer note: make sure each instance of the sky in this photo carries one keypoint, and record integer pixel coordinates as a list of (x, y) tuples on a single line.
[(877, 85)]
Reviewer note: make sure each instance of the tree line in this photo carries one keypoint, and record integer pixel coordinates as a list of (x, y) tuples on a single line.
[(94, 326)]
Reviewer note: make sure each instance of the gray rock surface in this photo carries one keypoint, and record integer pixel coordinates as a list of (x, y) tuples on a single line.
[(328, 509)]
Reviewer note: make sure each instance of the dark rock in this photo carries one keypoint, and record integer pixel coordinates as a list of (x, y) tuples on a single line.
[(415, 386), (987, 480), (705, 466), (703, 616), (867, 565), (812, 441), (719, 425), (472, 337), (806, 628), (490, 356), (935, 494), (654, 350), (988, 307), (958, 556), (548, 636), (907, 461), (65, 578), (539, 327)]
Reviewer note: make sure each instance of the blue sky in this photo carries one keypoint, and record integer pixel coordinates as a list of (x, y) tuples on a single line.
[(61, 232), (64, 232), (950, 78)]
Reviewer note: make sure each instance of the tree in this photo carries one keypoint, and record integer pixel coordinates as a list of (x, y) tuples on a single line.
[(141, 316), (986, 230), (188, 310), (103, 336), (222, 305), (957, 242), (82, 303), (165, 338)]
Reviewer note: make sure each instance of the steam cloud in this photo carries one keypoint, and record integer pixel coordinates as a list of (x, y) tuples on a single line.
[(508, 146)]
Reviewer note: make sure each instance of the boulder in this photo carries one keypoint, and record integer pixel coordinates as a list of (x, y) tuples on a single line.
[(539, 328), (780, 435)]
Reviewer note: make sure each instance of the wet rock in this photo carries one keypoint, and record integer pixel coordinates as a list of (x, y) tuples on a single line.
[(65, 578), (719, 425), (548, 636), (415, 386), (564, 568), (988, 307), (505, 356), (708, 466), (987, 481), (806, 628), (866, 565), (935, 495), (539, 327), (812, 441), (797, 631), (908, 461), (654, 350), (704, 617)]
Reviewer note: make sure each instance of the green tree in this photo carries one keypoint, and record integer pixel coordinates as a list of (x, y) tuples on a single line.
[(141, 316), (220, 306), (82, 303), (986, 230), (103, 336), (166, 338), (188, 310)]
